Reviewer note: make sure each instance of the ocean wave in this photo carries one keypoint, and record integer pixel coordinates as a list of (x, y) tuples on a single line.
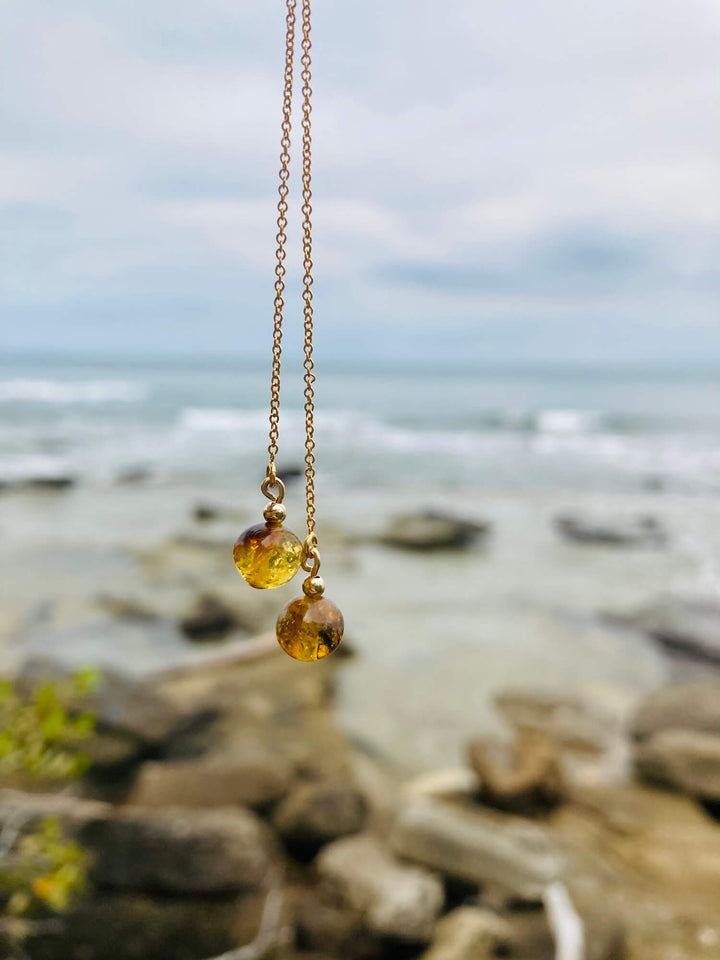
[(71, 391)]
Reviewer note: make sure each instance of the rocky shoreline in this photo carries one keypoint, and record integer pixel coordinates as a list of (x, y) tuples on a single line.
[(226, 815)]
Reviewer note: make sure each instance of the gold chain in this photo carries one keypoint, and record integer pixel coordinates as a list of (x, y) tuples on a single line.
[(280, 270)]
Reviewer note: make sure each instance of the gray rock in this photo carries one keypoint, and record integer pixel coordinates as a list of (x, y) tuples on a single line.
[(395, 900), (429, 530), (468, 933), (686, 760), (211, 783), (683, 625), (683, 706), (173, 851), (637, 531), (208, 619), (477, 846), (314, 813), (120, 926)]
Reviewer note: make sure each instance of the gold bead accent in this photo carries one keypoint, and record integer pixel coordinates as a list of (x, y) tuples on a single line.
[(267, 555), (275, 512), (313, 586), (310, 628)]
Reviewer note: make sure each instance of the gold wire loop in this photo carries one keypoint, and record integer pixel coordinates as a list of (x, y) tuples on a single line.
[(267, 487), (311, 555)]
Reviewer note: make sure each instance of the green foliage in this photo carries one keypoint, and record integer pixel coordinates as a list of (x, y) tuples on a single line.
[(45, 871), (39, 735)]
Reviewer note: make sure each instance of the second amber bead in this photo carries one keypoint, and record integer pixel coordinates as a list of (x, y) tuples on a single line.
[(267, 555)]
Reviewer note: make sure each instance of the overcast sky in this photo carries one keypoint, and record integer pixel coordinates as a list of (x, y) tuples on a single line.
[(507, 181)]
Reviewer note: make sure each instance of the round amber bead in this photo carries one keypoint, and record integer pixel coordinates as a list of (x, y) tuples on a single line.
[(310, 628), (267, 555)]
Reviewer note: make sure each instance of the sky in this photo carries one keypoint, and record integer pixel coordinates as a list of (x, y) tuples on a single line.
[(500, 182)]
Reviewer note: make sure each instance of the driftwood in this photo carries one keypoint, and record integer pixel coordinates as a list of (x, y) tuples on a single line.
[(528, 781)]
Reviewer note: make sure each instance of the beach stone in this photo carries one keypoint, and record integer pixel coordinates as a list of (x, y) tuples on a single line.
[(208, 619), (211, 783), (478, 846), (394, 899), (120, 926), (525, 778), (686, 760), (565, 720), (468, 933), (683, 706), (126, 608), (173, 851), (683, 625), (429, 530), (325, 925), (611, 531), (314, 813)]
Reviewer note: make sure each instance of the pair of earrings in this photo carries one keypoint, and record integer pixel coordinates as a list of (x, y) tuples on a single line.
[(268, 555)]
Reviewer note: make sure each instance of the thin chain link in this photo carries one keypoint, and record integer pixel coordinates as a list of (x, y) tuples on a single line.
[(307, 295), (280, 270), (281, 237)]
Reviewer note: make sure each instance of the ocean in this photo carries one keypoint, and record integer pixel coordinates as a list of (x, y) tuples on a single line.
[(437, 635)]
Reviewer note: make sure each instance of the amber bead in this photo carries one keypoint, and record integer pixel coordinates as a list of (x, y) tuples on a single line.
[(267, 555), (310, 628)]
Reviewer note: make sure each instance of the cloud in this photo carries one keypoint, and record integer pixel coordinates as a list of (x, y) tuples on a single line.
[(476, 167)]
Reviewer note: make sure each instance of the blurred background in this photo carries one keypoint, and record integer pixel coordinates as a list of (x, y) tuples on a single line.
[(518, 442)]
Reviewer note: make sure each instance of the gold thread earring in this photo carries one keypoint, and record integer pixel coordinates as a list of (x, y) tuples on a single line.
[(267, 555)]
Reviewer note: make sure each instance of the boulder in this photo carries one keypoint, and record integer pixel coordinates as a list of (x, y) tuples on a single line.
[(686, 760), (565, 720), (683, 625), (122, 926), (429, 530), (478, 846), (468, 933), (682, 706), (208, 619), (525, 778), (211, 783), (173, 851), (639, 531), (394, 899), (314, 813)]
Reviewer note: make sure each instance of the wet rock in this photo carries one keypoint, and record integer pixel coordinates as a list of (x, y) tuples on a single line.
[(58, 481), (686, 760), (682, 706), (209, 619), (429, 530), (637, 531), (683, 625), (315, 813), (468, 933), (118, 926), (211, 783), (172, 851), (478, 846), (525, 778), (394, 900)]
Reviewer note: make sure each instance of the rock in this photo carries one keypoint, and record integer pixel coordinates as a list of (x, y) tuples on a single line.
[(682, 706), (686, 760), (325, 925), (395, 900), (429, 530), (566, 721), (468, 933), (126, 608), (172, 851), (479, 847), (454, 782), (209, 619), (315, 813), (50, 482), (525, 779), (612, 531), (205, 512), (211, 783), (119, 926), (687, 626)]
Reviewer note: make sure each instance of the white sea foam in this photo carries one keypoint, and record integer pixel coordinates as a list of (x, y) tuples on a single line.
[(71, 391)]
